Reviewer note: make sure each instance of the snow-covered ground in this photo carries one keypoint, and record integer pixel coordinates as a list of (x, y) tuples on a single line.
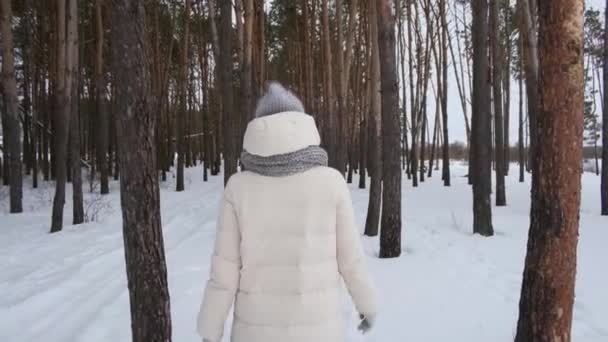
[(448, 285)]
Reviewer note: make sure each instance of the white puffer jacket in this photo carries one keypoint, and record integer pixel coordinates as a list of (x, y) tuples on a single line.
[(283, 245)]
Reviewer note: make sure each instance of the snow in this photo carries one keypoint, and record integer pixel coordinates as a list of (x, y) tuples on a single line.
[(448, 285)]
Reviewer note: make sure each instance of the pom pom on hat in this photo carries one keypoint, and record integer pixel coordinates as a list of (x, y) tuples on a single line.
[(277, 100)]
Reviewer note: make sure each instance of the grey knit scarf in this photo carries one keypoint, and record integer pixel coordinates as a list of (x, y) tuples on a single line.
[(287, 164)]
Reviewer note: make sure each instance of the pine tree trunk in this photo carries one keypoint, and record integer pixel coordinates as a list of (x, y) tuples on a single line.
[(228, 122), (1, 163), (528, 27), (424, 85), (6, 166), (604, 185), (114, 137), (414, 107), (469, 33), (73, 45), (372, 220), (240, 34), (214, 122), (207, 122), (247, 76), (140, 199), (501, 198), (422, 168), (262, 46), (52, 126), (547, 295), (182, 115), (344, 71), (401, 39), (215, 42), (363, 130), (102, 115), (520, 143), (434, 139), (328, 99), (36, 98), (339, 115), (374, 132), (390, 235), (62, 119), (507, 86), (445, 166), (480, 135), (11, 117), (46, 167), (28, 124)]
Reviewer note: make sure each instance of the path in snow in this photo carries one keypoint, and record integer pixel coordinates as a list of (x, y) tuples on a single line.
[(448, 285)]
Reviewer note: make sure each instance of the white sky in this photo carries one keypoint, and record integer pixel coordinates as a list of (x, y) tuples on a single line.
[(596, 3)]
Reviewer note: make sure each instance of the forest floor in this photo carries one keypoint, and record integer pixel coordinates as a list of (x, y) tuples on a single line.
[(448, 285)]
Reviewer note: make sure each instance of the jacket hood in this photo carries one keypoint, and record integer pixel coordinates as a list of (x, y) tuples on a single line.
[(280, 133)]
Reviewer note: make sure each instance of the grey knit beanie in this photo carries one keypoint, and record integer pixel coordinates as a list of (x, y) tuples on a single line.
[(276, 100)]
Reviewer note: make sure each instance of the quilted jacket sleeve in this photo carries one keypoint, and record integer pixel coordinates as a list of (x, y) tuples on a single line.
[(351, 260), (224, 274)]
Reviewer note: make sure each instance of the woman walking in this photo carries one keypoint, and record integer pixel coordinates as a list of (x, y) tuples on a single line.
[(286, 237)]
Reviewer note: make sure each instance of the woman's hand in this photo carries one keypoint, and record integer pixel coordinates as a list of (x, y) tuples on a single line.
[(367, 323)]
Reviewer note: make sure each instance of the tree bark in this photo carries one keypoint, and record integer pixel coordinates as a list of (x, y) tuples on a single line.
[(140, 199), (528, 27), (520, 143), (374, 131), (262, 46), (240, 32), (423, 142), (27, 31), (363, 133), (308, 58), (423, 81), (207, 166), (445, 167), (102, 115), (507, 85), (344, 68), (467, 44), (604, 184), (247, 77), (213, 26), (218, 70), (73, 45), (480, 135), (45, 144), (11, 117), (6, 166), (62, 118), (497, 65), (435, 139), (413, 105), (225, 63), (36, 99), (401, 39), (328, 99), (390, 235), (182, 115), (547, 295), (339, 116)]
